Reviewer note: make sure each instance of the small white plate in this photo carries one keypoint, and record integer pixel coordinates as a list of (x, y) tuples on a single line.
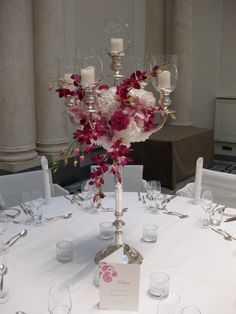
[(230, 212)]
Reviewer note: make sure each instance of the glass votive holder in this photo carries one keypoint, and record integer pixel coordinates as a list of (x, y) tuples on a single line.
[(150, 233), (171, 305), (159, 285), (64, 251), (216, 216), (190, 310), (106, 230)]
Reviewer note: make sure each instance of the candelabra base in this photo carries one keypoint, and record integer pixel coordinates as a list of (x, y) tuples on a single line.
[(131, 255)]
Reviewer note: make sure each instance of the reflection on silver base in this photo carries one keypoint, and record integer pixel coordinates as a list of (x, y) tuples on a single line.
[(131, 255)]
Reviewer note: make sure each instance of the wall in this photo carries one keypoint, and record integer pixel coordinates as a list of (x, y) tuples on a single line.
[(206, 60), (227, 82)]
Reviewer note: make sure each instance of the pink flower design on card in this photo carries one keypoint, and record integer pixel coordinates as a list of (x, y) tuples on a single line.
[(107, 272)]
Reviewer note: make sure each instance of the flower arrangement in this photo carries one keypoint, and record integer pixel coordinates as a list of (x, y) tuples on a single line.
[(123, 114)]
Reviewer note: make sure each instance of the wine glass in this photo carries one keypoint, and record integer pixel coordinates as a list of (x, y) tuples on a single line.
[(89, 191), (26, 205), (153, 190), (4, 295), (206, 204), (3, 227), (37, 202), (59, 300)]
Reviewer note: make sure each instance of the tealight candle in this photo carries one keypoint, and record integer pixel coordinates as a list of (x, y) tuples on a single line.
[(88, 75), (116, 45), (164, 79)]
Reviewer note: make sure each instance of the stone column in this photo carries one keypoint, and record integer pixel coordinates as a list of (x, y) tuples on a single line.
[(49, 45), (155, 32), (17, 117), (182, 45)]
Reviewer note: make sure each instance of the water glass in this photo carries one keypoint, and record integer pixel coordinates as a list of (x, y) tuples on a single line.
[(59, 300), (153, 190), (206, 204), (171, 305), (161, 201), (159, 285), (64, 251), (27, 207), (216, 216), (89, 191), (106, 230), (190, 310), (37, 201), (150, 233)]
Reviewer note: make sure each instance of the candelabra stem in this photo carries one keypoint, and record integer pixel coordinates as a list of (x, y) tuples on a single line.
[(116, 65), (165, 99), (89, 99)]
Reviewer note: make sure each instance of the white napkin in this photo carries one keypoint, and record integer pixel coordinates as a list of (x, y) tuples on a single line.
[(46, 180), (198, 181), (3, 204)]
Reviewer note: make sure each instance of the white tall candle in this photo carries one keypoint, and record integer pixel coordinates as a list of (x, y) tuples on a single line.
[(116, 45), (164, 79), (46, 180), (88, 75)]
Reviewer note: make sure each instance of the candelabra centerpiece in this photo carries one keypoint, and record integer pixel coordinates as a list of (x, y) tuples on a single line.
[(113, 117)]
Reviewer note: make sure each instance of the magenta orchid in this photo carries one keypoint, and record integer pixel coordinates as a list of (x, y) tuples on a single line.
[(124, 114)]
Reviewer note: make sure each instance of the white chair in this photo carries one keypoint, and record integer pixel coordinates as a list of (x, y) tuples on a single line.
[(132, 179), (12, 185), (222, 185)]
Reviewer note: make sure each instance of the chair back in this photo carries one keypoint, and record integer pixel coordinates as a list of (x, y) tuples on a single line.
[(132, 179), (12, 185), (222, 185)]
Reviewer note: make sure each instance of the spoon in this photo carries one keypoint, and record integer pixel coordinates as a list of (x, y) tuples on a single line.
[(226, 237), (23, 233), (175, 214), (226, 233), (20, 312), (66, 216), (72, 200), (3, 270)]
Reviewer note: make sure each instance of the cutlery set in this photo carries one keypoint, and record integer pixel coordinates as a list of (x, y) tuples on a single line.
[(167, 212)]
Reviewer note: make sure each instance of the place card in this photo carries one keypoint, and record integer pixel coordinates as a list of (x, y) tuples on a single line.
[(118, 283)]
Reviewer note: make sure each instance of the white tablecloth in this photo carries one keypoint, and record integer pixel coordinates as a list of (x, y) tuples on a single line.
[(201, 264)]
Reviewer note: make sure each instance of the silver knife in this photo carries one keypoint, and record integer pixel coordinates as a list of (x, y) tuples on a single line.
[(230, 219)]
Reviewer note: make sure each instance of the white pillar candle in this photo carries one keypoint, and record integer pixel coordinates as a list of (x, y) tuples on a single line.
[(164, 79), (88, 75), (116, 45)]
